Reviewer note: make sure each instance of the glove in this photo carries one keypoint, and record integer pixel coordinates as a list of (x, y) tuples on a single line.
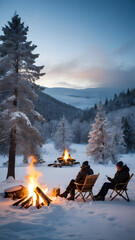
[(109, 179)]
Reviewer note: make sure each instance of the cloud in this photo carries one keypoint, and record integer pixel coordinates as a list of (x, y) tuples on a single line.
[(126, 48), (97, 69), (92, 77)]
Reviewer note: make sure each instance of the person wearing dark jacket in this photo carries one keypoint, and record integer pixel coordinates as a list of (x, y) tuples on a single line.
[(121, 176), (80, 178)]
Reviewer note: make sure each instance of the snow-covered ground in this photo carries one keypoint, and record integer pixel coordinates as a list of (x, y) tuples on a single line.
[(64, 219)]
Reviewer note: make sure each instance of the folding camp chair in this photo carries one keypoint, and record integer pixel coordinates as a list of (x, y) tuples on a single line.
[(120, 192), (86, 187)]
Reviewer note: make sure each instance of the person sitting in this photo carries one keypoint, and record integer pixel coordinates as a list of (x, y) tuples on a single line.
[(121, 176), (84, 171)]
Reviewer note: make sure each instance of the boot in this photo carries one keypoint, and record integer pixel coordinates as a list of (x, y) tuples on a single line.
[(71, 198), (96, 196), (64, 194), (100, 198)]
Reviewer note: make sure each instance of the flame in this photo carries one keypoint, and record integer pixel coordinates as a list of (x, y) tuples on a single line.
[(33, 177), (66, 155)]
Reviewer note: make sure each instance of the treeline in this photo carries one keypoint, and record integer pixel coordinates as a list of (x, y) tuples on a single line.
[(79, 130), (119, 111), (123, 100)]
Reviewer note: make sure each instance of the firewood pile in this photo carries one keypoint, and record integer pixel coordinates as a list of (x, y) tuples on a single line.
[(20, 192), (65, 160)]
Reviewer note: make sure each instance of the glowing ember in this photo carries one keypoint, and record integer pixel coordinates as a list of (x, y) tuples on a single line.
[(33, 177), (66, 155)]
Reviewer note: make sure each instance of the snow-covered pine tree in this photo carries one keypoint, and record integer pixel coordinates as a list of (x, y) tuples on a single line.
[(63, 136), (18, 72), (118, 143), (127, 131), (99, 148)]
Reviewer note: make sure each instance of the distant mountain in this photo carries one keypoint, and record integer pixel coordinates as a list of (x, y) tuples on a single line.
[(52, 109), (82, 98)]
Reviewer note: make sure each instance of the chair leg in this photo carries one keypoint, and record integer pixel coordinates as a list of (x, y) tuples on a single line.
[(82, 197), (84, 194), (77, 195), (114, 196), (111, 194), (120, 193), (92, 196), (127, 199), (127, 196), (88, 195)]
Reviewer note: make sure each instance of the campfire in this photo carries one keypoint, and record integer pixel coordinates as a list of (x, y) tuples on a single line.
[(33, 195), (65, 160)]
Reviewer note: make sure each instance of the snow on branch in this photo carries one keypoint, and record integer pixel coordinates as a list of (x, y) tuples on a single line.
[(9, 99), (18, 114), (38, 115)]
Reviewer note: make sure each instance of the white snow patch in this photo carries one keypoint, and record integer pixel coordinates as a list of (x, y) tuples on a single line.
[(65, 220)]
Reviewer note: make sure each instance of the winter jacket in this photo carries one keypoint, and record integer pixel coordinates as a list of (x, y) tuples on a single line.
[(86, 170), (121, 176)]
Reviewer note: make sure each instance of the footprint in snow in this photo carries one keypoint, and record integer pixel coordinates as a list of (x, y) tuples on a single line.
[(91, 212), (111, 218)]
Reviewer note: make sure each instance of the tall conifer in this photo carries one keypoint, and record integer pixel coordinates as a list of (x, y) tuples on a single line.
[(18, 72)]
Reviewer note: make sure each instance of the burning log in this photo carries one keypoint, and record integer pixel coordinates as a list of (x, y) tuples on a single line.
[(18, 202), (50, 164), (32, 195), (29, 204), (65, 160), (26, 202), (45, 198), (38, 205), (37, 200), (77, 163)]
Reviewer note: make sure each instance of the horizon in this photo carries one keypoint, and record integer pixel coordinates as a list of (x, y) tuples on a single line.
[(83, 44)]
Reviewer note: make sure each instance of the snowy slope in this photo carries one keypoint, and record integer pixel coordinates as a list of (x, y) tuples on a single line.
[(82, 98), (64, 220)]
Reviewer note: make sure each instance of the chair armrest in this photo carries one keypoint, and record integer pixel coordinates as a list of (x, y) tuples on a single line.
[(79, 184), (120, 184), (124, 185)]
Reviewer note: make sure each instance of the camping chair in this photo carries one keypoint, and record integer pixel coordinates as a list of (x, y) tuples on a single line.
[(86, 187), (120, 192)]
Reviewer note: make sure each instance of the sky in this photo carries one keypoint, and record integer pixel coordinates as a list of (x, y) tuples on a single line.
[(82, 43)]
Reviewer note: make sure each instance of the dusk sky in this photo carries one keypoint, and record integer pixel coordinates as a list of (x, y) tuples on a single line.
[(82, 43)]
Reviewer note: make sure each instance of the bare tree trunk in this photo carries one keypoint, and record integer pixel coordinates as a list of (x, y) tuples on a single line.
[(12, 152)]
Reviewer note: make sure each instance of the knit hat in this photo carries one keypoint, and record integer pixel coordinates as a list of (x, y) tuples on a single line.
[(119, 164), (85, 163)]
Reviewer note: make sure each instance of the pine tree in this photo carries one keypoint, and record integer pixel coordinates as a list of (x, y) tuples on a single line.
[(127, 133), (95, 106), (115, 96), (77, 131), (118, 142), (99, 147), (128, 92), (106, 102), (18, 72), (63, 136)]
